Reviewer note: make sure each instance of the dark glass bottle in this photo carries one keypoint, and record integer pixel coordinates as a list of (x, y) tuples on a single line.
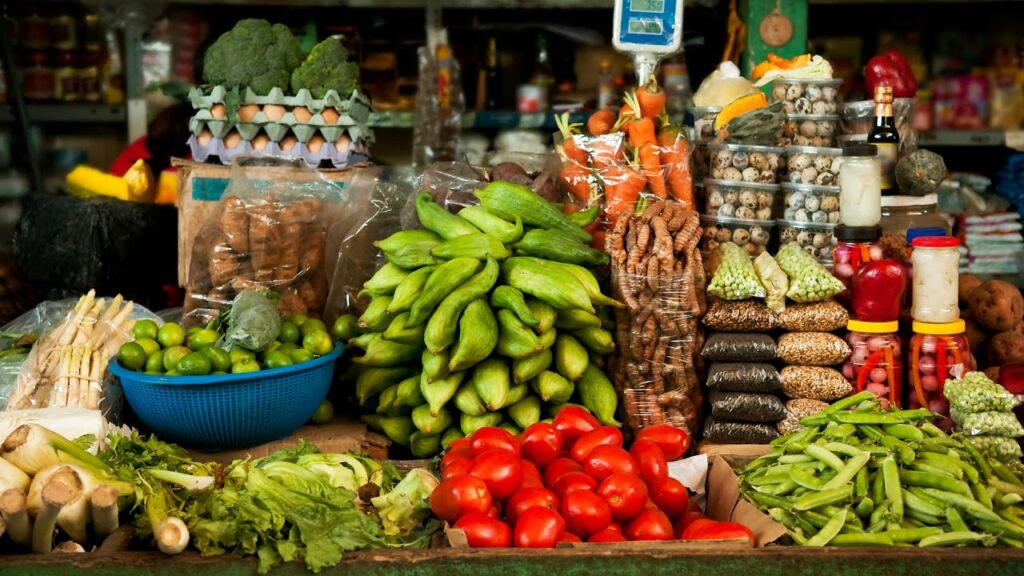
[(492, 82), (884, 135)]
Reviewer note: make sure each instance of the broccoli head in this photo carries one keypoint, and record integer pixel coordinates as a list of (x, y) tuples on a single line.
[(253, 54), (326, 68)]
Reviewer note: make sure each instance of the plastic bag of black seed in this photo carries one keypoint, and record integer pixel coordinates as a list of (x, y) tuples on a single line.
[(743, 377), (722, 347), (728, 432), (746, 406)]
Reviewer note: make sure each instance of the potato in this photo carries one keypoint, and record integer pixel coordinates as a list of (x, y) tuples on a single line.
[(992, 373), (1006, 347), (968, 282), (996, 305), (977, 337)]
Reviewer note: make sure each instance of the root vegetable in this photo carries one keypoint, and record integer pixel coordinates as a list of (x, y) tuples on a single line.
[(14, 512), (12, 477), (60, 495), (103, 505)]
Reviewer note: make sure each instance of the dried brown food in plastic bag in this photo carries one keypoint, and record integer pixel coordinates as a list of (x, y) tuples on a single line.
[(743, 377), (812, 349), (825, 316), (740, 316), (726, 347), (814, 382), (746, 406), (727, 432), (796, 410)]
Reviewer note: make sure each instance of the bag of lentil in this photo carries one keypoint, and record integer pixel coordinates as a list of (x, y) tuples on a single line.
[(735, 277), (741, 316), (809, 281), (814, 382), (812, 349), (725, 432), (721, 347), (826, 316), (746, 407), (743, 377)]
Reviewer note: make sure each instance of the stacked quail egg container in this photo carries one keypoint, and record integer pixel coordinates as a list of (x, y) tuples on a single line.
[(741, 195), (704, 133)]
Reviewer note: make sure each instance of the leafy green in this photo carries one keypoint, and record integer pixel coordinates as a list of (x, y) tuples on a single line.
[(253, 54), (407, 504), (326, 68), (253, 322)]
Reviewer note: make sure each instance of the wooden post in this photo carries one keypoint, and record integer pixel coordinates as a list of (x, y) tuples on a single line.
[(753, 13)]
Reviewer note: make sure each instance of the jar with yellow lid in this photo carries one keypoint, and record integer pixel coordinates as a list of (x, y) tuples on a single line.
[(876, 363), (937, 352)]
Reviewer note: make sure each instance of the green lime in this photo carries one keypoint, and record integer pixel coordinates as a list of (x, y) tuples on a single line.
[(287, 348), (193, 330), (155, 362), (194, 364), (312, 325), (238, 354), (149, 345), (220, 360), (245, 365), (298, 319), (218, 373), (203, 339), (300, 355), (170, 334), (131, 356), (289, 333), (319, 343), (272, 346), (155, 372), (173, 355), (172, 373), (145, 329), (277, 360), (324, 413), (344, 327)]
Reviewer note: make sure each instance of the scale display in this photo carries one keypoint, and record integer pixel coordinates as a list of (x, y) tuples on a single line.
[(648, 25)]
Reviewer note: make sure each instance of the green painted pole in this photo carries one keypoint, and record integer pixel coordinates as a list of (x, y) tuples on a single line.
[(756, 50)]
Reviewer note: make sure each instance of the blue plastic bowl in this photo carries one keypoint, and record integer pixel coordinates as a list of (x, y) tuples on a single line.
[(229, 412)]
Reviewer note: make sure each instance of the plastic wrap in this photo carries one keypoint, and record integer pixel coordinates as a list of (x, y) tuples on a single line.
[(440, 103), (68, 365), (726, 432), (977, 393), (812, 349), (746, 407), (814, 382), (253, 322), (809, 281), (734, 277), (740, 316), (658, 273), (857, 118), (774, 280), (825, 316), (721, 347), (998, 447), (265, 237), (988, 423), (743, 377), (796, 410)]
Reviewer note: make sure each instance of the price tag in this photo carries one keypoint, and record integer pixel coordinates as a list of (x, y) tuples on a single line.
[(1015, 139)]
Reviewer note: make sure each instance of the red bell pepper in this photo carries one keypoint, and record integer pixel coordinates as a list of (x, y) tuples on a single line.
[(891, 69)]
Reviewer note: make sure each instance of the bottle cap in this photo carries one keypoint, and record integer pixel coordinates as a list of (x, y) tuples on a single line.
[(844, 233), (944, 329), (935, 242), (862, 150), (873, 327), (883, 94), (923, 231)]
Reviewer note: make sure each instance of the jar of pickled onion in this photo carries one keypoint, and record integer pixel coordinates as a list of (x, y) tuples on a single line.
[(875, 364), (855, 246), (938, 352)]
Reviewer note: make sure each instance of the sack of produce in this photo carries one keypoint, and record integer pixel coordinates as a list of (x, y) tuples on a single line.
[(824, 316), (988, 423), (746, 407), (723, 347), (774, 280), (734, 277), (812, 349), (740, 316), (796, 410), (814, 382), (726, 432), (997, 447), (978, 393), (743, 377), (809, 281), (658, 273)]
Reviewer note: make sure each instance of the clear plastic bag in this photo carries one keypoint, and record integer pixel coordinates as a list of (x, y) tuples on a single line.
[(722, 347), (814, 382), (825, 316), (740, 316), (774, 280), (812, 349), (253, 322), (746, 407), (658, 338), (977, 393), (734, 277), (796, 410), (999, 447), (725, 432), (809, 281), (743, 377), (988, 423)]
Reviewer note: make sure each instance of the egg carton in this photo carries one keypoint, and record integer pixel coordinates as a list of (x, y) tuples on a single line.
[(277, 131), (329, 153), (253, 115), (205, 98)]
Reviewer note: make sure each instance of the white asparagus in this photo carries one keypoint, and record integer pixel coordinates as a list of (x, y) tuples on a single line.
[(103, 502), (14, 511), (99, 366), (59, 491), (66, 332), (76, 359), (89, 321), (84, 382)]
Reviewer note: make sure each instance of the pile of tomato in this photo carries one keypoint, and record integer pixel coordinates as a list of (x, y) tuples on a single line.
[(570, 480)]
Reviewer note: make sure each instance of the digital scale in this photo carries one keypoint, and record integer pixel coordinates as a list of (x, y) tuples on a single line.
[(649, 30)]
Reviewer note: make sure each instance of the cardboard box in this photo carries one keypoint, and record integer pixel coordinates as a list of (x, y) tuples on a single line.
[(337, 436), (737, 455), (724, 503)]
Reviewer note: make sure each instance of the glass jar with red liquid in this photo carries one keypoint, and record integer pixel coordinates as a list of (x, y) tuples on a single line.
[(877, 291), (876, 364), (855, 245), (937, 352)]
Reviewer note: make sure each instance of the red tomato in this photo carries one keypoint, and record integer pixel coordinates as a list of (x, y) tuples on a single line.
[(501, 471), (650, 525), (559, 468), (712, 530), (494, 512), (626, 495), (650, 460), (527, 498), (572, 482), (456, 467), (458, 496), (670, 496), (531, 476), (615, 526), (570, 537), (573, 422), (603, 436), (541, 443), (538, 528), (489, 437), (456, 452), (686, 519), (603, 461), (674, 442), (607, 535), (482, 531), (694, 527), (585, 512)]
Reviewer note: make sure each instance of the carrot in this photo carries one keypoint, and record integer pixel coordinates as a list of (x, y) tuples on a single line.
[(675, 152), (600, 122), (605, 150), (598, 243), (641, 136), (576, 179), (626, 117), (572, 151), (651, 99), (622, 188)]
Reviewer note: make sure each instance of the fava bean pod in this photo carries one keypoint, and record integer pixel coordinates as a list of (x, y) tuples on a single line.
[(875, 364)]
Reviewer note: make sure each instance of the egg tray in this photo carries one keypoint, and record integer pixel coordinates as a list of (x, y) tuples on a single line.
[(277, 131), (204, 98), (217, 150)]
